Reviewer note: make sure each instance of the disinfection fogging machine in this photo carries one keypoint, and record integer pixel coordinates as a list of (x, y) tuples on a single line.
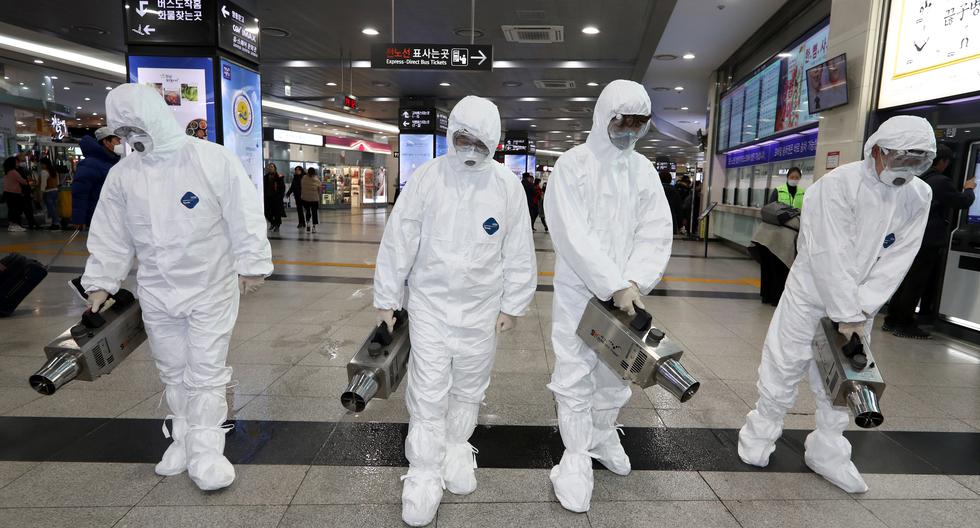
[(379, 365), (849, 373), (94, 346), (635, 349)]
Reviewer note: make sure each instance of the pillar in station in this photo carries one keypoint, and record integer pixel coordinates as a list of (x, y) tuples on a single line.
[(202, 56)]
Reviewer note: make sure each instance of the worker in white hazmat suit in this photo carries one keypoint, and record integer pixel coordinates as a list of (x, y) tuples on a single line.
[(461, 235), (861, 227), (612, 231), (188, 211)]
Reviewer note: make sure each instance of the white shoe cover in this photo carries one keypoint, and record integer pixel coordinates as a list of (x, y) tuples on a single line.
[(421, 495), (606, 444), (174, 461), (458, 468), (831, 459), (757, 438), (206, 465), (573, 481)]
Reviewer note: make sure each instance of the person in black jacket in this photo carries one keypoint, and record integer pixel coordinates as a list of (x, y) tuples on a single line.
[(901, 310), (296, 189), (273, 190), (671, 194), (100, 156)]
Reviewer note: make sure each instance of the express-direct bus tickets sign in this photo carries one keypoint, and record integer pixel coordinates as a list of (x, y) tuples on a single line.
[(432, 57)]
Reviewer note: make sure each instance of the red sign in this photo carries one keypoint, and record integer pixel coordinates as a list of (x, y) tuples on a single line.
[(361, 145), (350, 102)]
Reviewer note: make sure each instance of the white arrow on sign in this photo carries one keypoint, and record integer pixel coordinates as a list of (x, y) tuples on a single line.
[(405, 115), (224, 11), (148, 29), (141, 8), (482, 58), (405, 124)]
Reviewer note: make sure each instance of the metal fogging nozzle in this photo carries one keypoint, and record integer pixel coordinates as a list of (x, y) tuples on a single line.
[(362, 387), (672, 376), (863, 402), (56, 372)]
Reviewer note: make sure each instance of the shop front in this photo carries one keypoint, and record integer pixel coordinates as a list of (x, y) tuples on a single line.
[(355, 171)]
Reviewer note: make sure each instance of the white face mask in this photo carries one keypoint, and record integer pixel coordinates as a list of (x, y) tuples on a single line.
[(792, 183), (897, 177), (119, 149), (137, 138), (471, 158)]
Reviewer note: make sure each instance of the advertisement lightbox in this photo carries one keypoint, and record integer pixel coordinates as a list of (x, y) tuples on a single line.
[(241, 117), (414, 150), (186, 85)]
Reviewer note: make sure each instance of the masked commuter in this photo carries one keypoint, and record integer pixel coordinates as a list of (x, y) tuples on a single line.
[(188, 211), (461, 235), (861, 227), (612, 230)]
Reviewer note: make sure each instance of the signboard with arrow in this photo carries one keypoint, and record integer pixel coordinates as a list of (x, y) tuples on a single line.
[(461, 57), (238, 31), (183, 22)]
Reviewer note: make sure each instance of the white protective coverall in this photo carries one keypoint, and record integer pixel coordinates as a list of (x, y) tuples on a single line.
[(611, 224), (189, 212), (462, 237), (858, 237)]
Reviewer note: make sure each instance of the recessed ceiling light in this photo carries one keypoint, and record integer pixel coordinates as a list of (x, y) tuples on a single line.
[(679, 88), (656, 140), (78, 108), (512, 84), (331, 83), (54, 77), (88, 98), (533, 125), (38, 61), (370, 31), (22, 84), (108, 87), (524, 118), (785, 55), (590, 30), (381, 84), (94, 113), (67, 88), (21, 123), (529, 99), (6, 78), (684, 108), (445, 84), (24, 88), (592, 83), (688, 56), (569, 137)]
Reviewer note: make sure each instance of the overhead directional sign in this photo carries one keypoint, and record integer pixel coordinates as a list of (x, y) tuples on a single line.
[(422, 120), (184, 22), (238, 31), (460, 57)]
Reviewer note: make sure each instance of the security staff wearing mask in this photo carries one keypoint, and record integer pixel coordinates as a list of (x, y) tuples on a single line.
[(790, 193), (188, 211), (861, 227), (612, 230), (461, 235)]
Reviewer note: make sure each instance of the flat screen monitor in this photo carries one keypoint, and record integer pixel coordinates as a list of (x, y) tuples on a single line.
[(826, 84), (973, 215)]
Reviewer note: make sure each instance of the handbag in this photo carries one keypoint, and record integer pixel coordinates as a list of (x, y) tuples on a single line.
[(778, 213)]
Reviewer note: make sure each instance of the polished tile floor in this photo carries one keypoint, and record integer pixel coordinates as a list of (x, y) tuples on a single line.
[(83, 457)]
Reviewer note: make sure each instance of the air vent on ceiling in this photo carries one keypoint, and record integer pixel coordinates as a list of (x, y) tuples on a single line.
[(534, 34), (554, 84)]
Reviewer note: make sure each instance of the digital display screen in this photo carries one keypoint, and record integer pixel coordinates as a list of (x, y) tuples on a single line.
[(413, 151), (724, 115), (738, 108), (241, 115), (516, 163), (769, 99), (973, 215), (827, 84), (350, 102), (442, 146), (931, 51), (750, 112), (185, 84)]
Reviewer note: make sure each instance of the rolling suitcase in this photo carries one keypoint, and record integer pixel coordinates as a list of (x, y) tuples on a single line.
[(19, 276)]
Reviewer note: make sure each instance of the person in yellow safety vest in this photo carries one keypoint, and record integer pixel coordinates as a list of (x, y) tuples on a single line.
[(790, 192)]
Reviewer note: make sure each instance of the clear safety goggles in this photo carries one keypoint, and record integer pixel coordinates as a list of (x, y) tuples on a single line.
[(466, 142), (129, 131), (629, 124), (917, 161)]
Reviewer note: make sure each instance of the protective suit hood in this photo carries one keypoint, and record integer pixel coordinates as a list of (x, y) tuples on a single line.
[(903, 132), (479, 117), (619, 97), (141, 106)]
